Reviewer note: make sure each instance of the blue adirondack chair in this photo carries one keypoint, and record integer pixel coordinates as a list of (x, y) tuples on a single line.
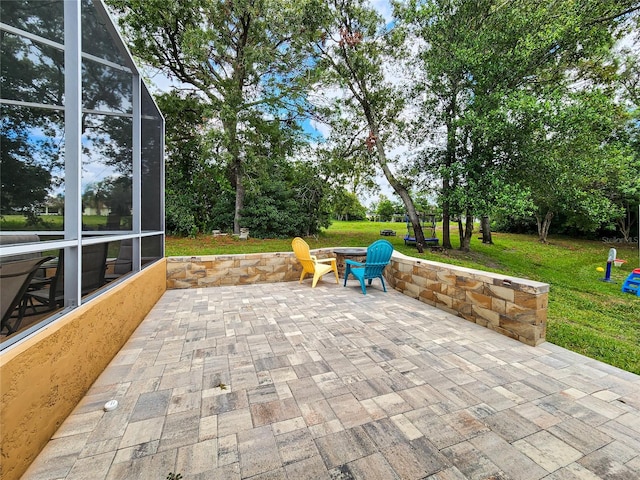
[(378, 256)]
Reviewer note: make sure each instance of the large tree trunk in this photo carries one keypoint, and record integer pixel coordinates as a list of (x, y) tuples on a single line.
[(446, 217), (465, 232), (239, 205), (543, 226), (406, 199), (450, 158), (465, 245), (625, 223), (359, 90), (400, 189), (230, 125), (362, 95), (485, 226)]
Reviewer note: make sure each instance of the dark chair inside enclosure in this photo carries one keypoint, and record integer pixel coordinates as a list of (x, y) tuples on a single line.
[(113, 221), (94, 259), (15, 278), (94, 265), (123, 264), (14, 239), (17, 239), (49, 294), (378, 256)]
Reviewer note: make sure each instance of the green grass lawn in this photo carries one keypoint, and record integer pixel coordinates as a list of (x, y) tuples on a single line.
[(585, 314), (49, 222)]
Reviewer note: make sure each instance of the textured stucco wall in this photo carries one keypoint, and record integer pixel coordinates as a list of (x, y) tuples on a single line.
[(515, 307), (43, 378)]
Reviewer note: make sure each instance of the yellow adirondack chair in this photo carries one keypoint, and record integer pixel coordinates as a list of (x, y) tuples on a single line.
[(311, 264)]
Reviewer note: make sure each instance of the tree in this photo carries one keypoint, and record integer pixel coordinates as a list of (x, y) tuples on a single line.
[(623, 190), (198, 194), (343, 157), (244, 57), (95, 194), (385, 209), (57, 203), (32, 72), (478, 55), (119, 197), (25, 182), (346, 206), (352, 55), (285, 196), (568, 157), (625, 178)]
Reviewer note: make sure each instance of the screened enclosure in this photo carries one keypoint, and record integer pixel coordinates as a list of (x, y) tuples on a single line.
[(82, 161)]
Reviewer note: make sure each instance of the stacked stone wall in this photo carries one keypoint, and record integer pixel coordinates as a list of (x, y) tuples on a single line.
[(514, 307), (219, 270)]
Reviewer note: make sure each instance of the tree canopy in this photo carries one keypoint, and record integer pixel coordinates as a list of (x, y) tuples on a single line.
[(511, 108), (243, 58), (485, 68)]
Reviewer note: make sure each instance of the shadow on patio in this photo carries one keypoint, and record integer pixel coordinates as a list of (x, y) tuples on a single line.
[(284, 381)]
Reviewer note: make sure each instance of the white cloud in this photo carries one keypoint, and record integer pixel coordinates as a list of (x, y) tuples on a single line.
[(321, 127), (159, 82), (384, 8)]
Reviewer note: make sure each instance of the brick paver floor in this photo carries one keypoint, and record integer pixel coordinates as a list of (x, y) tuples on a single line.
[(282, 381)]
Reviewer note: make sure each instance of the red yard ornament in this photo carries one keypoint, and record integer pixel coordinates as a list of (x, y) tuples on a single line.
[(371, 141), (348, 38)]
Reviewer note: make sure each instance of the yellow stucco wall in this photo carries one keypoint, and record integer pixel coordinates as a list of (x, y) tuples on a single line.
[(43, 378)]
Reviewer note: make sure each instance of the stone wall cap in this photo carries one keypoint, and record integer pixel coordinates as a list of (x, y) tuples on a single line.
[(227, 256), (516, 283)]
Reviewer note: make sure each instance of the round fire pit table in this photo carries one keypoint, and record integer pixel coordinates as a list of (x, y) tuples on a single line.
[(342, 254)]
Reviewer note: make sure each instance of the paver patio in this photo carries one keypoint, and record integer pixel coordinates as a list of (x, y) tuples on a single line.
[(281, 381)]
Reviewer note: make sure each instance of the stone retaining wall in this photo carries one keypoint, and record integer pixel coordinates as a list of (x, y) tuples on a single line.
[(218, 270), (515, 307), (512, 306)]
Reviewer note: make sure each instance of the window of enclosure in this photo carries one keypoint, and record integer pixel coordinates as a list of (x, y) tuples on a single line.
[(151, 168), (119, 259), (151, 249), (106, 88), (44, 19), (107, 173), (31, 71), (32, 168), (98, 36)]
